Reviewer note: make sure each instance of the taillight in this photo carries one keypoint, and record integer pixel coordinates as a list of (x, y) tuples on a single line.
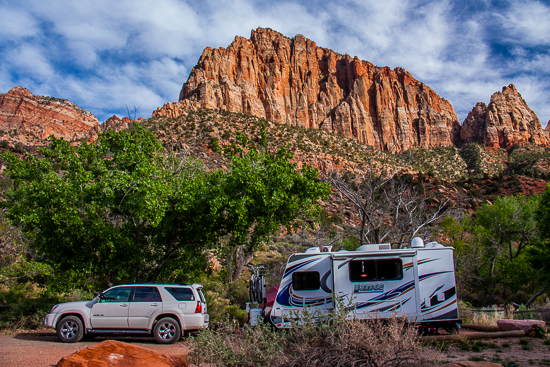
[(199, 308)]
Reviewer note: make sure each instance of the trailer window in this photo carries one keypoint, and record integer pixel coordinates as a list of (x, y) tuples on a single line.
[(368, 270), (306, 280), (391, 269), (362, 270)]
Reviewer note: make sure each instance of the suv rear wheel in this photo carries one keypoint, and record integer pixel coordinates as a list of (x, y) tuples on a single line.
[(70, 330), (167, 331)]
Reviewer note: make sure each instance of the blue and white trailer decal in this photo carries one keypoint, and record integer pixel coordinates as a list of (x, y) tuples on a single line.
[(420, 286)]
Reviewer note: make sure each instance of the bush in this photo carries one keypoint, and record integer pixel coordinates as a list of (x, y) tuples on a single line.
[(343, 342), (30, 303), (230, 345), (331, 340)]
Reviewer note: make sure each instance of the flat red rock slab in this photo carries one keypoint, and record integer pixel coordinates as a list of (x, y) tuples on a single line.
[(525, 325), (118, 354)]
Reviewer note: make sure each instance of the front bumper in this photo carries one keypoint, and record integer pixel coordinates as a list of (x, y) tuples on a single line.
[(50, 320)]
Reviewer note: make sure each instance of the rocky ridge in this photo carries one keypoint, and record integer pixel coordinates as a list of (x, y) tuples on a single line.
[(294, 81), (30, 119), (505, 122)]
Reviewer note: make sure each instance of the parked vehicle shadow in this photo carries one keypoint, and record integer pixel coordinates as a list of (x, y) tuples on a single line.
[(52, 337)]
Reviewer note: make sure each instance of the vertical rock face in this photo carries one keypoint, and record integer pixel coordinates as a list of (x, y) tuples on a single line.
[(505, 122), (295, 82), (34, 118)]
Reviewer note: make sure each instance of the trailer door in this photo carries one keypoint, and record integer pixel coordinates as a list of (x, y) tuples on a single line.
[(377, 285)]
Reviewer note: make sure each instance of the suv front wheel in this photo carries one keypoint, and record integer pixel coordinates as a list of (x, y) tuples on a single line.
[(70, 330), (167, 331)]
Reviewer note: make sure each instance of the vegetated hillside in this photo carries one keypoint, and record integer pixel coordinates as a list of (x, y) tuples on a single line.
[(469, 175)]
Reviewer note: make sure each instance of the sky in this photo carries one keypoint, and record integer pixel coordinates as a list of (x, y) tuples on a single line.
[(113, 56)]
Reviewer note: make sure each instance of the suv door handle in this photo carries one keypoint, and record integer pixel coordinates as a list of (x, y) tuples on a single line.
[(154, 304), (124, 305)]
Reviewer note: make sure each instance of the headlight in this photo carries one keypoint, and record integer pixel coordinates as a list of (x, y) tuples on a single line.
[(54, 308)]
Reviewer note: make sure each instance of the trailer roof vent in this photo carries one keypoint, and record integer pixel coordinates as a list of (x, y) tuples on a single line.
[(377, 247), (434, 245), (313, 250), (384, 246), (417, 242)]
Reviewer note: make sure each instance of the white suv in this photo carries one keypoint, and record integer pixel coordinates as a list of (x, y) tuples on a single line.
[(165, 310)]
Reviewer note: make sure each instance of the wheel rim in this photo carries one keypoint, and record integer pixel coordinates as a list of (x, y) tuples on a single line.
[(167, 331), (69, 330)]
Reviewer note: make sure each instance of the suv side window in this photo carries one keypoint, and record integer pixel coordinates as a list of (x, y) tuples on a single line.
[(182, 294), (147, 294), (121, 294)]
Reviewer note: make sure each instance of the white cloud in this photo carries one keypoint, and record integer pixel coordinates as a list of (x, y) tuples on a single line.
[(32, 61), (528, 22), (103, 55), (16, 24)]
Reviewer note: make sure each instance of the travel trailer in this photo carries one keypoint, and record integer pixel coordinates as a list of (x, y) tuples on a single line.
[(417, 282)]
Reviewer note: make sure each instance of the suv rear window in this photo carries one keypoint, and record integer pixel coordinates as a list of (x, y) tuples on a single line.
[(147, 294), (182, 294)]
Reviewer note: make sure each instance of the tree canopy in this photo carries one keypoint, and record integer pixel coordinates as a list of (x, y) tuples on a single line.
[(121, 209), (261, 192)]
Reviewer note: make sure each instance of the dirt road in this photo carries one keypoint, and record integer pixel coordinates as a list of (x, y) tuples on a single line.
[(42, 349)]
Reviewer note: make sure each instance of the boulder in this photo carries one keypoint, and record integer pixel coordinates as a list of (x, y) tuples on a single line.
[(118, 354), (525, 325)]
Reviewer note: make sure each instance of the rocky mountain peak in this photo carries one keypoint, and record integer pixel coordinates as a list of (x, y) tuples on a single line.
[(505, 122), (293, 81), (30, 119)]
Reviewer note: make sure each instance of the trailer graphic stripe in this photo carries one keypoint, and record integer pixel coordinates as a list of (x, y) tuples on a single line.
[(297, 266), (399, 291), (286, 297)]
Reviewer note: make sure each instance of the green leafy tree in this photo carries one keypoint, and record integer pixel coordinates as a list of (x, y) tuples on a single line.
[(94, 209), (540, 256), (261, 192), (493, 251)]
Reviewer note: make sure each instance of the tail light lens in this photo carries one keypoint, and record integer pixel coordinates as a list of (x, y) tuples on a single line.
[(199, 308)]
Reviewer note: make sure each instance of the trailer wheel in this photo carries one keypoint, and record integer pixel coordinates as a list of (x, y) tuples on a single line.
[(451, 328)]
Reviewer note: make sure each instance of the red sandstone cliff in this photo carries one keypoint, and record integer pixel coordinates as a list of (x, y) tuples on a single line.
[(31, 119), (505, 122), (116, 124), (296, 82)]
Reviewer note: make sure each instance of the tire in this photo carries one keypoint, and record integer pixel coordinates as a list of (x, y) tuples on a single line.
[(70, 329), (451, 328), (167, 331)]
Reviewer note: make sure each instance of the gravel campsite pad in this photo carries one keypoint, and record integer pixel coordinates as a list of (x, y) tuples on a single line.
[(43, 349)]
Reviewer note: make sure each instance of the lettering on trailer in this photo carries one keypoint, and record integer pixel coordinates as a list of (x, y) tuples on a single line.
[(368, 288)]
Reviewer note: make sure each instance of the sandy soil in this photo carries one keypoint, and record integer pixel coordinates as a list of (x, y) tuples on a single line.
[(42, 349), (509, 352)]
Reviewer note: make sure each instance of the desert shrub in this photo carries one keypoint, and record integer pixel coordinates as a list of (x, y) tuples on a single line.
[(225, 300), (329, 340), (230, 345), (29, 304), (355, 342)]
